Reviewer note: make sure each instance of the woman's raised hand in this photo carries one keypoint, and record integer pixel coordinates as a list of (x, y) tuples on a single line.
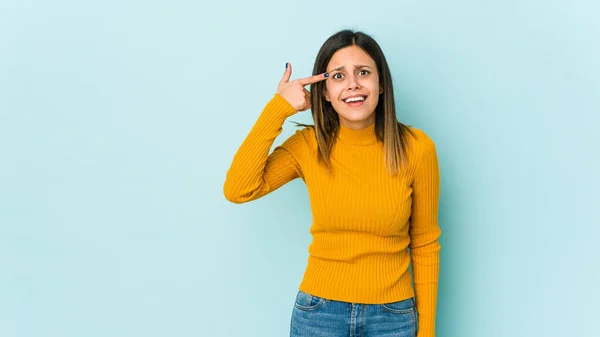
[(294, 91)]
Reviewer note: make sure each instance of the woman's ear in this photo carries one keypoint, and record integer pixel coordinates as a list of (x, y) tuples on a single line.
[(380, 89), (326, 95)]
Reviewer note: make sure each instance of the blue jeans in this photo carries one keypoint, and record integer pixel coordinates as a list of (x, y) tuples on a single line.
[(315, 316)]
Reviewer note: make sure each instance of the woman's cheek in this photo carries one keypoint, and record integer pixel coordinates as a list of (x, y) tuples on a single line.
[(333, 91)]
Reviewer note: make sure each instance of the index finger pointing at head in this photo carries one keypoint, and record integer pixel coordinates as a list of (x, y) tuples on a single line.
[(313, 79)]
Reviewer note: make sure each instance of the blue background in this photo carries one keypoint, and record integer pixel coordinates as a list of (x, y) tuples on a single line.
[(119, 119)]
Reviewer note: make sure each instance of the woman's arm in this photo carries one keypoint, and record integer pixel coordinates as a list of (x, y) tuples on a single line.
[(424, 232), (253, 172)]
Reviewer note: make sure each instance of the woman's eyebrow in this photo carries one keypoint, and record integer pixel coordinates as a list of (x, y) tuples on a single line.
[(355, 66)]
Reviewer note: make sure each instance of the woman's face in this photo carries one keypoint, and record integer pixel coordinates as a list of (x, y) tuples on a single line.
[(353, 87)]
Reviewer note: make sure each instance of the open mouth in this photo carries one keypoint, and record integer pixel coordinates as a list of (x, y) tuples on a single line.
[(355, 101)]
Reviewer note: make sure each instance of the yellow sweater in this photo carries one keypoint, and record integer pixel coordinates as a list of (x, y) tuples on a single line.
[(363, 218)]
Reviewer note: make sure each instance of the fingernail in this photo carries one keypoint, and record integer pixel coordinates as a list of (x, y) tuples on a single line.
[(326, 75), (286, 65)]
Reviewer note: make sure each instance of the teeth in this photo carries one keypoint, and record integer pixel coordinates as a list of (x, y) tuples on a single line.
[(355, 99)]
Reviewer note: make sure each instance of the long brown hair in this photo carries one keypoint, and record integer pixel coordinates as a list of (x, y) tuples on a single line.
[(388, 129)]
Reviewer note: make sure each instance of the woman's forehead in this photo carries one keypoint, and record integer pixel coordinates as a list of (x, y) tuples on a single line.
[(350, 56)]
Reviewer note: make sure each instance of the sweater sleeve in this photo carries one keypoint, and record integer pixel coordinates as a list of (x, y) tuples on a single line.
[(254, 172), (424, 233)]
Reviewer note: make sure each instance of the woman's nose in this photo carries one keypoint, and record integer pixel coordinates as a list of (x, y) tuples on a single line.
[(352, 83)]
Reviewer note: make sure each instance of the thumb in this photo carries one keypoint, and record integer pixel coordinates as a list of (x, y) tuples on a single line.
[(287, 74)]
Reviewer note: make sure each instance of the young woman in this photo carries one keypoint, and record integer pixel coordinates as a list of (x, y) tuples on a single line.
[(373, 184)]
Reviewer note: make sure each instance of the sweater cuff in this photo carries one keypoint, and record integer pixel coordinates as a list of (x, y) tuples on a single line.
[(280, 106)]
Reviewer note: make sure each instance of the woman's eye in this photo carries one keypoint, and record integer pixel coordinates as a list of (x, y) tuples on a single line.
[(337, 76), (363, 72)]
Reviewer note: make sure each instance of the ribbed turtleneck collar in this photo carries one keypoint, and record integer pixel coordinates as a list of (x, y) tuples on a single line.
[(364, 136)]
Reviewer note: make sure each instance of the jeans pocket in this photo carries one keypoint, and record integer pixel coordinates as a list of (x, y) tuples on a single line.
[(306, 301), (406, 306)]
